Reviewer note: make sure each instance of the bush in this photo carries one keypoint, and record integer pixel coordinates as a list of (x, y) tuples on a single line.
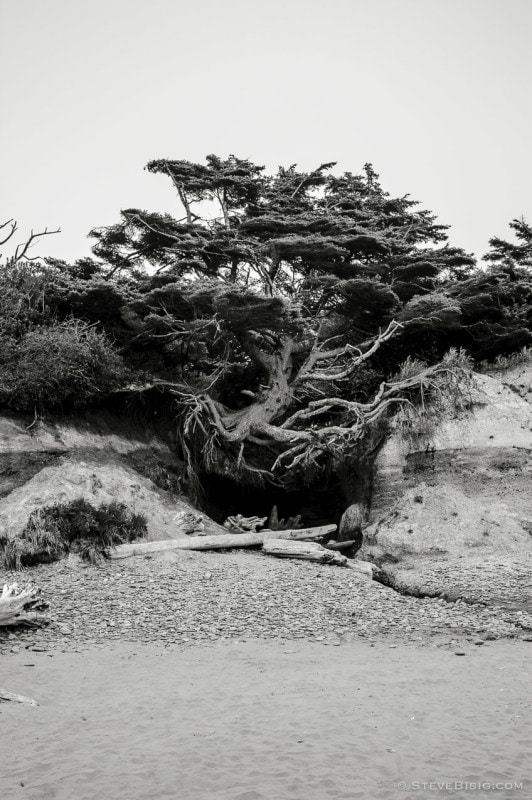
[(24, 289), (53, 531), (66, 363)]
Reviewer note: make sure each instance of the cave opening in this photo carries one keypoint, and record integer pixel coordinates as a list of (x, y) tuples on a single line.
[(320, 503)]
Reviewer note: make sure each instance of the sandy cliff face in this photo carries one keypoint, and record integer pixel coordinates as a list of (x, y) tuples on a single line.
[(462, 496), (59, 462)]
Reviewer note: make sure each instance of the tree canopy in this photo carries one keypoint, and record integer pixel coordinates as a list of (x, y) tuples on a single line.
[(286, 315)]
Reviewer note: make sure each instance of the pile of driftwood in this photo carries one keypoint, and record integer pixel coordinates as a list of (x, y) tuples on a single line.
[(271, 523), (240, 531), (223, 541)]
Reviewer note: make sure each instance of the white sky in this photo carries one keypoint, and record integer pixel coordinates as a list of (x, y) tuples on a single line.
[(435, 93)]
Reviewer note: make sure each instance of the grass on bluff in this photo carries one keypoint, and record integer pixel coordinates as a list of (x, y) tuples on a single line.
[(54, 531)]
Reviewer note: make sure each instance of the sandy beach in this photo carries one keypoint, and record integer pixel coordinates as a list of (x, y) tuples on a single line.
[(255, 720)]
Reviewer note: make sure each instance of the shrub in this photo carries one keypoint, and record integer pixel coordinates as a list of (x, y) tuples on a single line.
[(66, 363), (24, 289), (80, 527)]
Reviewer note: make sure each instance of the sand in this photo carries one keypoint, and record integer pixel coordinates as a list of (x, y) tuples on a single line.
[(253, 720)]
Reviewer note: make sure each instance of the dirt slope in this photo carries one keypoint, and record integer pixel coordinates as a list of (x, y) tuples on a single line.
[(452, 513), (60, 462)]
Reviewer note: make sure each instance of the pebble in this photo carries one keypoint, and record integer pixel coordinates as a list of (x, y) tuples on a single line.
[(246, 596), (65, 630)]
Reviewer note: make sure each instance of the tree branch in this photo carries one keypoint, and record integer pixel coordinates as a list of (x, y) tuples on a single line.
[(22, 249), (12, 231), (356, 357)]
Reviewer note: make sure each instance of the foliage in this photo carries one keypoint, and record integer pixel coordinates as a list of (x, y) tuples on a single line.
[(523, 356), (511, 254), (444, 395), (62, 363), (53, 531), (267, 302), (276, 310), (49, 359)]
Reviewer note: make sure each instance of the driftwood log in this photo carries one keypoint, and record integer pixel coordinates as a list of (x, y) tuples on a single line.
[(309, 551), (332, 545), (223, 542), (21, 606)]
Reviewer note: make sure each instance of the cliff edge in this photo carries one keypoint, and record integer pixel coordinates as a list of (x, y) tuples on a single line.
[(451, 514)]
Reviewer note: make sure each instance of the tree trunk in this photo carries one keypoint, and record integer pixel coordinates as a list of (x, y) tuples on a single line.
[(272, 401), (223, 542)]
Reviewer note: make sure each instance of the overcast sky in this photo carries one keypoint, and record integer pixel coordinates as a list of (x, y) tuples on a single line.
[(435, 93)]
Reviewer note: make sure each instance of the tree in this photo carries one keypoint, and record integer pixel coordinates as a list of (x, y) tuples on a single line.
[(510, 254), (272, 298)]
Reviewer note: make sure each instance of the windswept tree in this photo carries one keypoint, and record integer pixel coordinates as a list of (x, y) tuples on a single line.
[(496, 302), (275, 301), (512, 254)]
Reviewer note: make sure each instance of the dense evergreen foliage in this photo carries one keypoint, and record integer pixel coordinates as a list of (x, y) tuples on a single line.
[(277, 313)]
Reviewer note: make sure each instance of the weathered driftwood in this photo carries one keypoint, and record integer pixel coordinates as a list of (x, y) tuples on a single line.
[(240, 524), (17, 698), (21, 606), (276, 524), (309, 551), (332, 545), (223, 542), (190, 523), (364, 567)]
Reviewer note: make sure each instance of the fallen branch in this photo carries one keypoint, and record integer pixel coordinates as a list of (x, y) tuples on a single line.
[(223, 542), (21, 606)]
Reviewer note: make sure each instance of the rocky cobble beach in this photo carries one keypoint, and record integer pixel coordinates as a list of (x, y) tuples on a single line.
[(202, 598)]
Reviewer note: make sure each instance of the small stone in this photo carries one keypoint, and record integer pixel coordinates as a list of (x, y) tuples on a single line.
[(479, 642), (66, 630), (15, 649), (459, 652)]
